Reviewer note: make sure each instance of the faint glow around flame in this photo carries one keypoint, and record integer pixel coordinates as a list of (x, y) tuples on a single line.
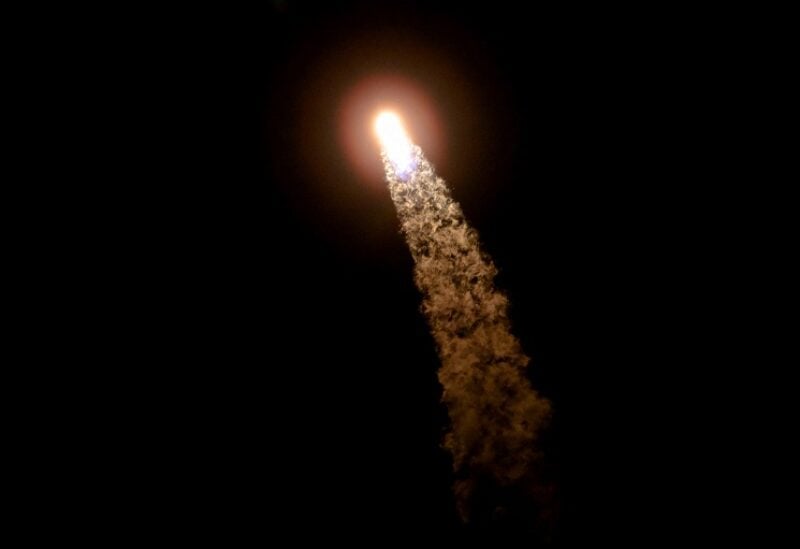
[(394, 140)]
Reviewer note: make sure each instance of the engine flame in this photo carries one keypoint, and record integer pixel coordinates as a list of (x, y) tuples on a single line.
[(394, 141)]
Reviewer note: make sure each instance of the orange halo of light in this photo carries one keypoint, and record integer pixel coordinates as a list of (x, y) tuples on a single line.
[(365, 100)]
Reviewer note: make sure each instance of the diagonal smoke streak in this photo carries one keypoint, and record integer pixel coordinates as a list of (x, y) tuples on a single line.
[(495, 414)]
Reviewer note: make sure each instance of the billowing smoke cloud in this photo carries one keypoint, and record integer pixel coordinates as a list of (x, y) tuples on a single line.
[(495, 414)]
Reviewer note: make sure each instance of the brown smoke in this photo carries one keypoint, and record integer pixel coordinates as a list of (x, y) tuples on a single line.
[(495, 414)]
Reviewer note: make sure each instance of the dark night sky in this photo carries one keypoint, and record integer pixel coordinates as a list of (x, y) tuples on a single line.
[(301, 396)]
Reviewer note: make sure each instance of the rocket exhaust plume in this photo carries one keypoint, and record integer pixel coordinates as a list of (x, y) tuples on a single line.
[(495, 414)]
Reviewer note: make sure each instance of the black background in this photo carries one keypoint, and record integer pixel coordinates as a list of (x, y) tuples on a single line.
[(287, 378)]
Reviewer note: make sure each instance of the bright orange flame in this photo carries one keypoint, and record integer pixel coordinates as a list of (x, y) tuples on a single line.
[(394, 140)]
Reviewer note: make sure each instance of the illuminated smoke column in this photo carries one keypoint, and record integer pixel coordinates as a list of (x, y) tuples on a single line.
[(495, 414)]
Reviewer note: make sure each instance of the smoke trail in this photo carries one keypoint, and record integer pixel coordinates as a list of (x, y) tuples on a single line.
[(495, 415)]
